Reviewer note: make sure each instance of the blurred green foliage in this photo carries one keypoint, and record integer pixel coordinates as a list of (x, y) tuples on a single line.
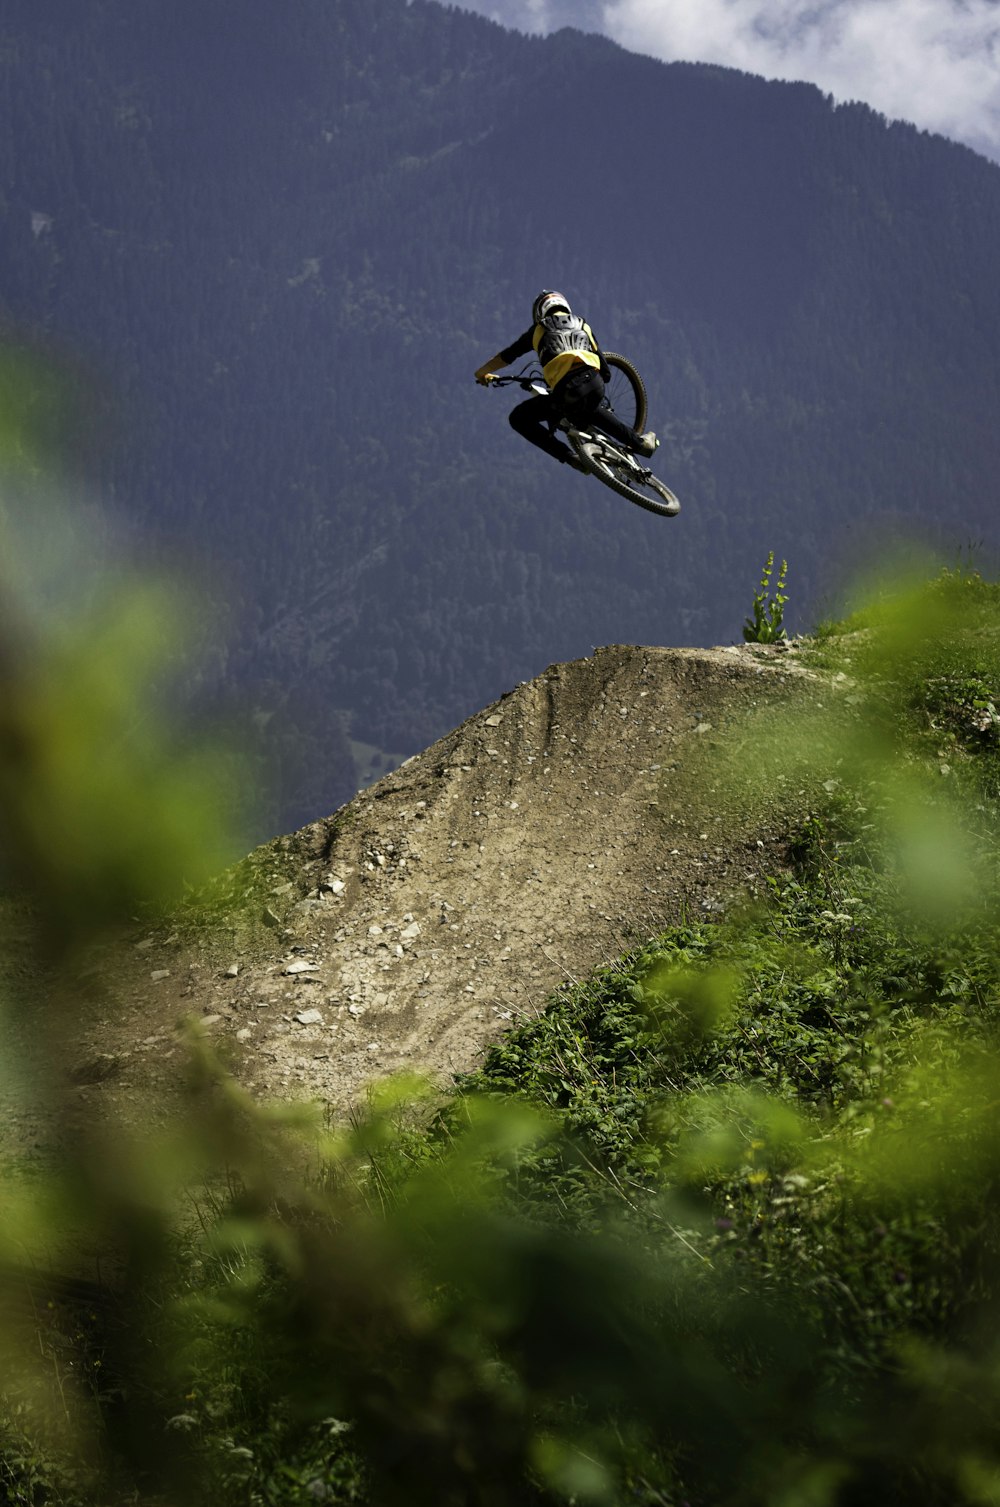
[(102, 809), (718, 1228), (36, 410)]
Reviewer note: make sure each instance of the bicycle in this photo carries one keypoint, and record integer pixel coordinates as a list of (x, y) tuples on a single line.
[(627, 474)]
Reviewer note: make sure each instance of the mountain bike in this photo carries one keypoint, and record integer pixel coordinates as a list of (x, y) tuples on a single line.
[(627, 474)]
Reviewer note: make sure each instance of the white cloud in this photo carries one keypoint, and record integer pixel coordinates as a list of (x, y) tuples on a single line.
[(541, 15), (934, 62)]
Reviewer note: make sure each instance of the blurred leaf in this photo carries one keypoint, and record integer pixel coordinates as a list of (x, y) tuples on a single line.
[(103, 808), (34, 407), (690, 1002), (572, 1472)]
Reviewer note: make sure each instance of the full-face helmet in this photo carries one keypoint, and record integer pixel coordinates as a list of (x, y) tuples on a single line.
[(548, 302)]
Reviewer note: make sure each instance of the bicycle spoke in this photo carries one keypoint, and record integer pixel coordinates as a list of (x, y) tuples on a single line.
[(624, 391), (620, 396)]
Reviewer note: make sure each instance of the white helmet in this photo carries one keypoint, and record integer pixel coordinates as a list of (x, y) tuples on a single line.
[(548, 302)]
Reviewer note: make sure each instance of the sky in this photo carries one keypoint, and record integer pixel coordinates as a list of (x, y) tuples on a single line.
[(933, 62)]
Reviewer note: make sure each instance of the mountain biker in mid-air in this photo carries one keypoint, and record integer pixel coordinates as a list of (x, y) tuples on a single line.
[(575, 372)]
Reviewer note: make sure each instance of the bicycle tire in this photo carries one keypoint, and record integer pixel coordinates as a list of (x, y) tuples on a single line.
[(626, 391), (645, 490)]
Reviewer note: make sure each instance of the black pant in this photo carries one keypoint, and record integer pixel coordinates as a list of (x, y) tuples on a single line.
[(580, 399)]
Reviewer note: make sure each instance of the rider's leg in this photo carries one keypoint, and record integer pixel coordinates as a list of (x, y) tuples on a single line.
[(607, 421), (580, 396), (532, 420)]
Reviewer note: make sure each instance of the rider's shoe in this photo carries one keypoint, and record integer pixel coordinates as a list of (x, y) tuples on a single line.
[(647, 445)]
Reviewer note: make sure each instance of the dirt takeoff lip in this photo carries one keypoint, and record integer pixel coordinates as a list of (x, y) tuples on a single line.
[(538, 840)]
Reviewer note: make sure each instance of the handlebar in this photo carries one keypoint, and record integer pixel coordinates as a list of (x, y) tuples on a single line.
[(526, 380)]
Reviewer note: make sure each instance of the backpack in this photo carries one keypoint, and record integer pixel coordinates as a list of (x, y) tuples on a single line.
[(559, 334)]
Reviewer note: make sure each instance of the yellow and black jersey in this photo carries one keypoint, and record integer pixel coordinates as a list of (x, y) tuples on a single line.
[(561, 342)]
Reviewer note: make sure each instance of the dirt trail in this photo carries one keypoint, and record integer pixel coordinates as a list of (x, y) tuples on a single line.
[(541, 838)]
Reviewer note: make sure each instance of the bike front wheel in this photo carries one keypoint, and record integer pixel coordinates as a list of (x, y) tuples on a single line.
[(626, 391), (625, 475)]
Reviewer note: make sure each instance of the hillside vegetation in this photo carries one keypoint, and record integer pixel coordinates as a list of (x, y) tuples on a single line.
[(715, 1227), (280, 240)]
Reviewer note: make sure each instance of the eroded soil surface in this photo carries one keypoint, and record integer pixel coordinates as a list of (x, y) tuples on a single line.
[(571, 820)]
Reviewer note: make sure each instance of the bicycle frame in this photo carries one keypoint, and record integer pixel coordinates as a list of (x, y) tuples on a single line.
[(600, 455)]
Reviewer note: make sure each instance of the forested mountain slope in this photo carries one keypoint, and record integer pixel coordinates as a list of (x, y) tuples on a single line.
[(280, 238)]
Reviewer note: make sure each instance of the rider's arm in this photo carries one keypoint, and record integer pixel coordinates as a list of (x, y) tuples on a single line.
[(522, 346), (488, 368)]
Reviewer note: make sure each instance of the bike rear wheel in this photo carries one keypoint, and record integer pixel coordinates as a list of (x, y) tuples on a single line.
[(626, 391), (628, 477)]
